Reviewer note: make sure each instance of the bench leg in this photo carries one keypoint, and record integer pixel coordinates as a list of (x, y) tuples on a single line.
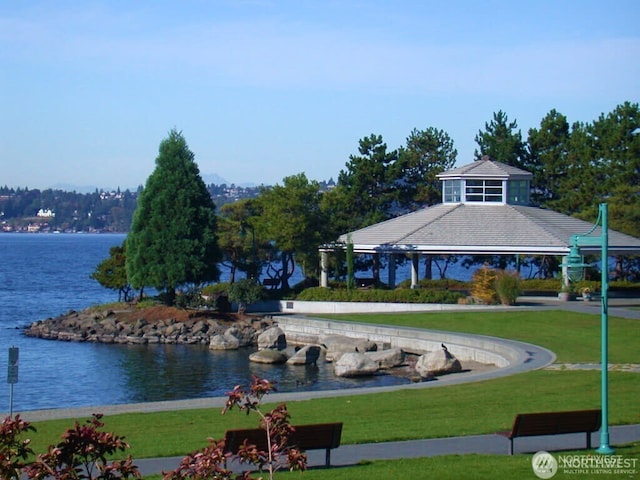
[(588, 440), (327, 458), (511, 446)]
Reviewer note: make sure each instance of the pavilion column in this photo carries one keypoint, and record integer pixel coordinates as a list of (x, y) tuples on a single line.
[(324, 276), (376, 267), (428, 267), (565, 272), (392, 271), (415, 263)]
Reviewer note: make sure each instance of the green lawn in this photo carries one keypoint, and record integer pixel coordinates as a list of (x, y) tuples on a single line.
[(474, 408), (453, 467), (574, 337)]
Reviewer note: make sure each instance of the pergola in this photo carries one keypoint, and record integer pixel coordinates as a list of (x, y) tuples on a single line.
[(485, 211)]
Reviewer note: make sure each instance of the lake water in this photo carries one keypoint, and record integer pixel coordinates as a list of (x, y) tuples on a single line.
[(45, 275)]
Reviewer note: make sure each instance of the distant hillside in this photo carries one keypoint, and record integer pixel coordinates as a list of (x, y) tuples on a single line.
[(94, 210)]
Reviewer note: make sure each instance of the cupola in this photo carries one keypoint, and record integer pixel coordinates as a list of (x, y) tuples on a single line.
[(486, 181)]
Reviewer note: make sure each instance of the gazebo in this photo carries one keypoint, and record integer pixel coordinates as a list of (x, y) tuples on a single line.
[(484, 211)]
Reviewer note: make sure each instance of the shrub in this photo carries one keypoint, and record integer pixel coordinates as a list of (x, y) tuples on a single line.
[(437, 284), (245, 292), (209, 463), (146, 303), (507, 286), (82, 454), (551, 285), (320, 294), (216, 289), (483, 286), (192, 298), (13, 451)]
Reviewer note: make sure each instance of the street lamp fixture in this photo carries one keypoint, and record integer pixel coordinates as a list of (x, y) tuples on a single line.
[(575, 270)]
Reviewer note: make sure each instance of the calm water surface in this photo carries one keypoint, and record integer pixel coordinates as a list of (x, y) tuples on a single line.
[(45, 275)]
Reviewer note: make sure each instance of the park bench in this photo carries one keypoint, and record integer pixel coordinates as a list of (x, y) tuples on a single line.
[(320, 436), (554, 423), (272, 283)]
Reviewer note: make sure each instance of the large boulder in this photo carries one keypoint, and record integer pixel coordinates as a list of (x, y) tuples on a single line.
[(438, 362), (390, 358), (354, 364), (224, 342), (307, 355), (268, 356), (245, 335), (272, 338), (337, 345)]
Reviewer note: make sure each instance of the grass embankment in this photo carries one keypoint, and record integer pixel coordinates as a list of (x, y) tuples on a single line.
[(474, 408)]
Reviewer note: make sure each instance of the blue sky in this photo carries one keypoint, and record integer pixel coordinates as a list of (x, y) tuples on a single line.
[(265, 89)]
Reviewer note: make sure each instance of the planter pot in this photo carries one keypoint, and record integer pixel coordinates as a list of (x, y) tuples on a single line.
[(564, 296)]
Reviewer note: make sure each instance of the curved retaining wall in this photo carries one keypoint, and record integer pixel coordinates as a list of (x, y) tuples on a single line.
[(509, 355)]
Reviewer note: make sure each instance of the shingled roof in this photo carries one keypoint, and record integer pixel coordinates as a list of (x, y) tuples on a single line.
[(486, 168), (475, 229)]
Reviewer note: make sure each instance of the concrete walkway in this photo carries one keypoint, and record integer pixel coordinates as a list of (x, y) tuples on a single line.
[(347, 455)]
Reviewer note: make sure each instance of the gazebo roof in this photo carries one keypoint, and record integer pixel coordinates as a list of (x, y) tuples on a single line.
[(477, 229), (486, 168), (482, 228)]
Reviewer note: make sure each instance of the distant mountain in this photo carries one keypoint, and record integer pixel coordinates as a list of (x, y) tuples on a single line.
[(68, 187), (214, 178), (207, 178)]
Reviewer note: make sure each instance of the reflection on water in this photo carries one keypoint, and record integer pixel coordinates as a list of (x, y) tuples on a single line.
[(172, 372), (46, 275)]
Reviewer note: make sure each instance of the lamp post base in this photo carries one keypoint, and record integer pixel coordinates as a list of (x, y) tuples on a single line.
[(605, 450)]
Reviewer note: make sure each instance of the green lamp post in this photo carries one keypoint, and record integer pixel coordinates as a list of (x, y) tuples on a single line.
[(575, 266)]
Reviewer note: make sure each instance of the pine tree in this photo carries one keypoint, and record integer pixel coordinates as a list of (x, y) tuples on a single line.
[(173, 239)]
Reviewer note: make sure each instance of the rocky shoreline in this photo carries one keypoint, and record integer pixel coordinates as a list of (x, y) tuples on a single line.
[(154, 325), (351, 357)]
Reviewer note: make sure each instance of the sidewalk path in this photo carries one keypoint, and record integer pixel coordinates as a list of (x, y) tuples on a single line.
[(479, 444)]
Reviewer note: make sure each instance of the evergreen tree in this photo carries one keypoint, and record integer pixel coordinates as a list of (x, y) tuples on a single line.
[(547, 157), (173, 239), (427, 153), (365, 188), (501, 141)]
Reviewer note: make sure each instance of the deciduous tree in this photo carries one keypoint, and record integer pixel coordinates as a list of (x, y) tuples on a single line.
[(292, 219), (111, 273), (241, 248)]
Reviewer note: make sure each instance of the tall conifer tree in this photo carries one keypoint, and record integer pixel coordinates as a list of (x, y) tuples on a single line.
[(173, 239)]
